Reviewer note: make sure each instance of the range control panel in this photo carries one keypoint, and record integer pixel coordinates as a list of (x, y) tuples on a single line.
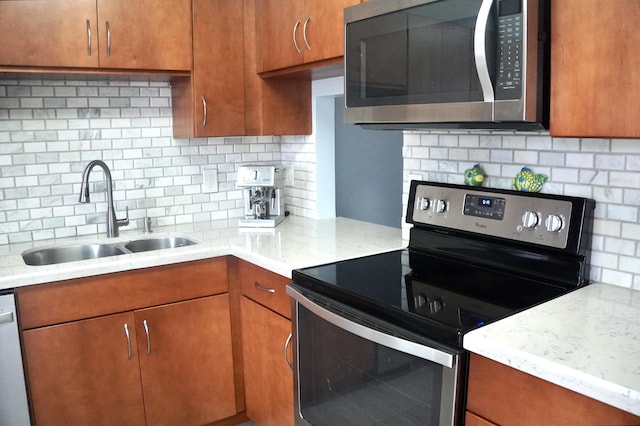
[(507, 214)]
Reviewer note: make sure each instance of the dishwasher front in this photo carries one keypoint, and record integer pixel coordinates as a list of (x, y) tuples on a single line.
[(14, 409)]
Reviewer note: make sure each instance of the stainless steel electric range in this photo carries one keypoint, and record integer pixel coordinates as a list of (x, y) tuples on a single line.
[(378, 340)]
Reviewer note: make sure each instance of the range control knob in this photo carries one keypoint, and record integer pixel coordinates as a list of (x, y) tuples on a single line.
[(419, 300), (553, 223), (435, 305), (530, 219), (439, 206), (422, 203)]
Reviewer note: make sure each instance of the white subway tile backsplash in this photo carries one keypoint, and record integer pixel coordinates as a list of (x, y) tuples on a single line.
[(617, 277), (604, 169), (50, 130)]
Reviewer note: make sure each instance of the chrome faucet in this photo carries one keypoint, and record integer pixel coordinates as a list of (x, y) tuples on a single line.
[(112, 222)]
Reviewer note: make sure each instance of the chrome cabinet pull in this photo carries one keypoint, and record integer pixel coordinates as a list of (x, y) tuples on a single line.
[(286, 346), (126, 333), (146, 331), (304, 32), (6, 317), (204, 109), (265, 289), (108, 39), (295, 42), (88, 38)]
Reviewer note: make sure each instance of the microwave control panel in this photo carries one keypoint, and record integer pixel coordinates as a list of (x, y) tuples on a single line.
[(510, 50)]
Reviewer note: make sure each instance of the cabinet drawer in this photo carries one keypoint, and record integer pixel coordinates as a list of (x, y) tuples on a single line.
[(537, 402), (265, 287), (70, 300)]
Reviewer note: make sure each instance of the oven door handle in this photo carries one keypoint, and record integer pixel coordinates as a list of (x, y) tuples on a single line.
[(366, 332)]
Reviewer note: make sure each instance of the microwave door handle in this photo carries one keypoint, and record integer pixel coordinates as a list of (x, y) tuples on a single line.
[(480, 50), (394, 342)]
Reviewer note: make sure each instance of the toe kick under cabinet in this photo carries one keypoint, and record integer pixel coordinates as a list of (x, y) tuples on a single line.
[(144, 347)]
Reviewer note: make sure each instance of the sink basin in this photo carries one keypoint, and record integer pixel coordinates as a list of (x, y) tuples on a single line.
[(62, 254), (158, 243)]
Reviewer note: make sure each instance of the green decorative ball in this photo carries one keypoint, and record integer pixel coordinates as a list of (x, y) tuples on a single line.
[(527, 181), (474, 176)]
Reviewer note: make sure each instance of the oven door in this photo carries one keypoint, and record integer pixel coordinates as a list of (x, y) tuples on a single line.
[(353, 369)]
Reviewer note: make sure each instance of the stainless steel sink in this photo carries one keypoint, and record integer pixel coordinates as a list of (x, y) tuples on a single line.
[(62, 254), (158, 243)]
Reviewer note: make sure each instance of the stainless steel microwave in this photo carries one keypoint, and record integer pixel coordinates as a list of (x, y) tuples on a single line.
[(447, 64)]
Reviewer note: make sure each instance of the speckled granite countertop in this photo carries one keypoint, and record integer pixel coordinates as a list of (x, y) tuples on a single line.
[(295, 243), (587, 341)]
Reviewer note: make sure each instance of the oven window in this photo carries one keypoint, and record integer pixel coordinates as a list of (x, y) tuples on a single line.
[(423, 54), (347, 380)]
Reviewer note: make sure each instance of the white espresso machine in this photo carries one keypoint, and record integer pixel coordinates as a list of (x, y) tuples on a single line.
[(263, 198)]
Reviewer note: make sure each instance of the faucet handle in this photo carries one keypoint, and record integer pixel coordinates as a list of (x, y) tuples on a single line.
[(147, 224), (125, 221)]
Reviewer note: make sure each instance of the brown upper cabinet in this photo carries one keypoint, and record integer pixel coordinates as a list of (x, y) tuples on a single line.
[(211, 101), (224, 96), (297, 32), (595, 68), (114, 34)]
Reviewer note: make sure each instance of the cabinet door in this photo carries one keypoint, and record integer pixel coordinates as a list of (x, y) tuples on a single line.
[(325, 28), (279, 22), (85, 373), (268, 380), (145, 34), (186, 362), (52, 33), (218, 67), (595, 68)]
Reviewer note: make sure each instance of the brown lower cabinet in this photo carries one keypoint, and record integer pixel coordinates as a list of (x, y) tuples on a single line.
[(268, 380), (501, 395), (167, 364), (266, 329)]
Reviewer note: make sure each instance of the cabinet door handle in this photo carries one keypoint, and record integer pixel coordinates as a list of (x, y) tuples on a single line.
[(146, 331), (265, 289), (204, 111), (304, 32), (286, 346), (295, 42), (88, 38), (126, 333), (6, 317), (108, 38)]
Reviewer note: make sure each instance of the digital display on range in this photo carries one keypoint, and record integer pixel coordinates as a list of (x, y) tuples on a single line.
[(486, 202), (484, 206)]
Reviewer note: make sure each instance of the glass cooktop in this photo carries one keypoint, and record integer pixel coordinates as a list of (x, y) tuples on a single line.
[(442, 299)]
